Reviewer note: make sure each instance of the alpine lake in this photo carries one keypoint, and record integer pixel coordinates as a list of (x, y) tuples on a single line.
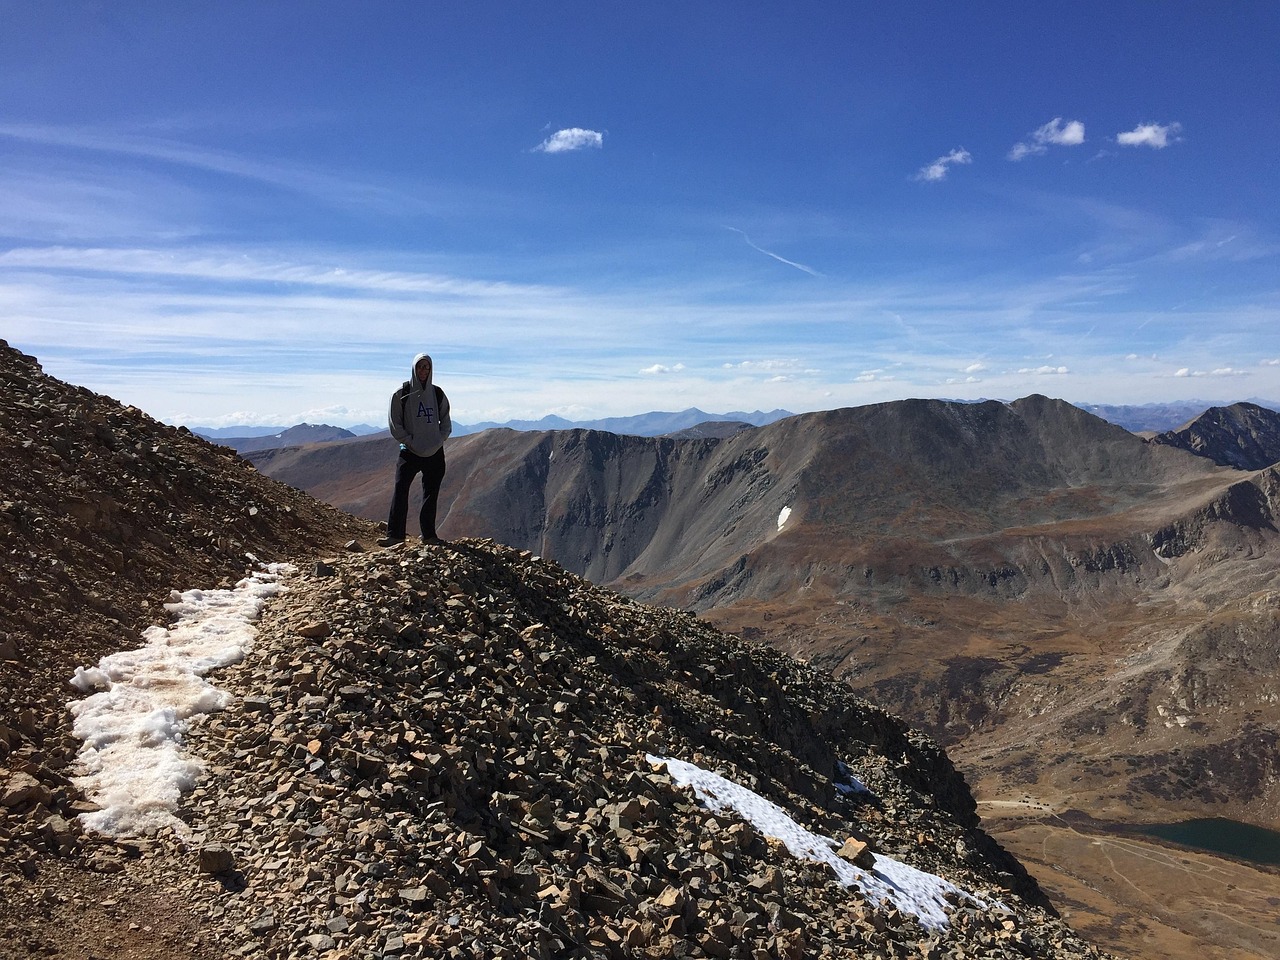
[(1228, 838)]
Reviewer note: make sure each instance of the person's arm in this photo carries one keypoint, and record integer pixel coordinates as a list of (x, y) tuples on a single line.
[(446, 424), (395, 418)]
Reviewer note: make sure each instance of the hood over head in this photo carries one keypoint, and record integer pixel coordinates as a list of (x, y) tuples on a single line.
[(413, 367)]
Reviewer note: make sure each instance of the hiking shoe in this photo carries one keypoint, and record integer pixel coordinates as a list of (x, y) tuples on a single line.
[(390, 541)]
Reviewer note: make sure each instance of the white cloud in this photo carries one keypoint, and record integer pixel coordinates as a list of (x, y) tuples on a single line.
[(1045, 371), (1053, 133), (1150, 135), (873, 376), (572, 138), (765, 365), (1216, 372), (938, 169), (659, 369), (1271, 363), (975, 368)]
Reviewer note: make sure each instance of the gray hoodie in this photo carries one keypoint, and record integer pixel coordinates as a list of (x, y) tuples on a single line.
[(419, 415)]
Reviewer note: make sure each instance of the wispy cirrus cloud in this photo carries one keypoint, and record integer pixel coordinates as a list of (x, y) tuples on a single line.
[(937, 171), (571, 139), (769, 253), (292, 177), (1154, 135), (1054, 133), (765, 366), (239, 267)]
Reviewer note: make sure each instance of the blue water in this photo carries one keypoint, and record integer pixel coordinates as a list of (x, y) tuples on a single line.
[(1219, 835)]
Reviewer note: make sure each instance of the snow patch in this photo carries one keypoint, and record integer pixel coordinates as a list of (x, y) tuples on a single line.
[(134, 766), (783, 516), (913, 891)]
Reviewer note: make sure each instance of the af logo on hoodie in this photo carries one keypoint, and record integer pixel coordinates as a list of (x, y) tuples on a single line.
[(419, 415)]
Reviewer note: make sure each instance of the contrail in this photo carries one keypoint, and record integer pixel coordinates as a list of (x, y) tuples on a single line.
[(767, 253)]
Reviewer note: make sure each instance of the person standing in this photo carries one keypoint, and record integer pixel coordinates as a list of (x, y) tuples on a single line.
[(419, 419)]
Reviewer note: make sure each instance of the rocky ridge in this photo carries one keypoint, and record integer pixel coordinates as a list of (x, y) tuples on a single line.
[(1242, 435), (444, 752), (102, 510)]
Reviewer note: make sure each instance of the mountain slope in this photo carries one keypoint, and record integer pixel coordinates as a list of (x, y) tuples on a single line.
[(101, 507), (931, 477), (1243, 435)]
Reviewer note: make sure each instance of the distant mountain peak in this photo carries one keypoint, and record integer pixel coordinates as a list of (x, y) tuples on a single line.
[(1242, 435), (296, 435)]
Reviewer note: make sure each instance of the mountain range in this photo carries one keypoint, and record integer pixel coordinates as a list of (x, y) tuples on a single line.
[(452, 750), (1087, 619), (656, 423), (1140, 418)]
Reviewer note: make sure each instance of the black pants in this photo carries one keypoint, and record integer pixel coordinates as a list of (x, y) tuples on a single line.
[(407, 467)]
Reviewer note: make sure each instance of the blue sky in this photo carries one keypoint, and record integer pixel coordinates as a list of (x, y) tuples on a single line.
[(259, 212)]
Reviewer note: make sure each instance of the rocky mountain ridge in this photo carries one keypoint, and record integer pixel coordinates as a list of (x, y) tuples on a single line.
[(1153, 418), (101, 506), (1243, 435)]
